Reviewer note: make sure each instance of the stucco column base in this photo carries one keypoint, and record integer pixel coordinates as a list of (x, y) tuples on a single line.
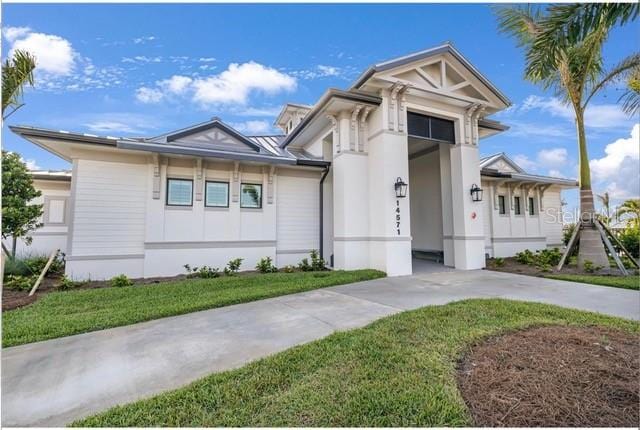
[(350, 254), (392, 256)]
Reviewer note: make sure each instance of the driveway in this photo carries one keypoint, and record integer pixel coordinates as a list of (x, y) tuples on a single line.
[(54, 382)]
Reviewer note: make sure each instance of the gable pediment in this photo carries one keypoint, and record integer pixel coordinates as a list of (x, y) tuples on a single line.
[(213, 135), (444, 74), (504, 164)]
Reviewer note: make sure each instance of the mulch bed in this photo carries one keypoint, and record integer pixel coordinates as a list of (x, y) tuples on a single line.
[(553, 377)]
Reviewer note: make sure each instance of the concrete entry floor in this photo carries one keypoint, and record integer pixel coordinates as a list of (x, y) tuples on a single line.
[(421, 266), (54, 382)]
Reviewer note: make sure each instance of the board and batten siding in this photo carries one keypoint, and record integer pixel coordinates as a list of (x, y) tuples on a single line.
[(297, 217), (109, 211), (552, 219)]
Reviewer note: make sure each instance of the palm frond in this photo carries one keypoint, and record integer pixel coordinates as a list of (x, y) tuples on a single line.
[(631, 98), (17, 72), (627, 65)]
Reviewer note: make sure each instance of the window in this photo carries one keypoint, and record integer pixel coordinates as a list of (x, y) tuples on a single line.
[(429, 127), (501, 207), (532, 208), (251, 196), (516, 205), (179, 192), (216, 194), (54, 210)]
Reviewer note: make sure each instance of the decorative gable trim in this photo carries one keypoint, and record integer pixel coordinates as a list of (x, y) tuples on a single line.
[(215, 123)]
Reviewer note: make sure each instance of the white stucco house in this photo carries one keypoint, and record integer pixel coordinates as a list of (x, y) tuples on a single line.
[(206, 193)]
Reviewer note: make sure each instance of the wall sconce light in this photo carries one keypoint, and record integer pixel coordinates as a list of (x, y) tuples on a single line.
[(476, 193), (401, 188)]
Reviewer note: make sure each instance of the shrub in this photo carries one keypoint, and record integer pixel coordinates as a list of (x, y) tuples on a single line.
[(67, 283), (589, 267), (567, 231), (525, 257), (288, 269), (233, 266), (205, 272), (549, 257), (498, 261), (317, 263), (19, 282), (630, 238), (265, 265), (15, 267), (121, 281), (304, 265)]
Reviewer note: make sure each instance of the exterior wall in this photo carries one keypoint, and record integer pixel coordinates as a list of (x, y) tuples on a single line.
[(122, 224), (298, 217), (108, 219), (55, 219), (426, 202), (509, 234)]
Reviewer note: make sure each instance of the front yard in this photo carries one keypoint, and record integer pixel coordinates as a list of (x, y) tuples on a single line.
[(401, 371), (66, 313)]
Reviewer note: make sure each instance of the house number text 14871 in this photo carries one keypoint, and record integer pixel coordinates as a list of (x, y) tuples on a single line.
[(398, 216)]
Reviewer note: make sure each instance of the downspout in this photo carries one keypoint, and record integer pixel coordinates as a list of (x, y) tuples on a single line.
[(324, 175)]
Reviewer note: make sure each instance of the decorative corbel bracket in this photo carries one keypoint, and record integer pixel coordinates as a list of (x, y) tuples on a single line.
[(353, 130), (235, 185), (393, 101), (336, 132), (362, 134), (272, 172), (199, 177), (156, 176), (541, 191), (402, 107)]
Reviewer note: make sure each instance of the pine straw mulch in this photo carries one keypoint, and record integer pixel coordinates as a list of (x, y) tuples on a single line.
[(554, 376)]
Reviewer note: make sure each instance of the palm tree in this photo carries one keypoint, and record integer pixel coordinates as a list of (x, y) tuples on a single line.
[(632, 209), (631, 98), (563, 47), (16, 73), (606, 205)]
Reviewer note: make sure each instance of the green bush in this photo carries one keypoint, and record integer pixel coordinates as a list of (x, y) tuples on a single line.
[(288, 269), (317, 263), (15, 267), (630, 238), (304, 265), (498, 261), (265, 265), (121, 281), (19, 282), (204, 272), (549, 257), (567, 231), (67, 283), (33, 265), (233, 266), (589, 267), (525, 257)]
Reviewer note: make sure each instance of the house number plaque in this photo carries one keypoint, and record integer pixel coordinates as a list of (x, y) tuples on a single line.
[(398, 217)]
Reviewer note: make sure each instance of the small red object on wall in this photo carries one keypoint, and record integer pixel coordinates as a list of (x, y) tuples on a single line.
[(473, 215)]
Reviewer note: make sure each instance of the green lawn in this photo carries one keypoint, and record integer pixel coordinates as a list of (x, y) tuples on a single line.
[(72, 312), (629, 282), (398, 371)]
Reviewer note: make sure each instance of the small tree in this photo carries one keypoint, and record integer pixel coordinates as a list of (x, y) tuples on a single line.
[(19, 216)]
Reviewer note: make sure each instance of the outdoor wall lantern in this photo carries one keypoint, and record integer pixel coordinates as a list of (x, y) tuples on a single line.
[(476, 193), (401, 188)]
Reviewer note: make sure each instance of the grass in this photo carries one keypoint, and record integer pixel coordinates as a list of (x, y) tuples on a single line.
[(631, 282), (398, 371), (66, 313)]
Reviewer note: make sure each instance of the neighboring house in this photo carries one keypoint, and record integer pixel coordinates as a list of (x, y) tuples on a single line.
[(206, 194)]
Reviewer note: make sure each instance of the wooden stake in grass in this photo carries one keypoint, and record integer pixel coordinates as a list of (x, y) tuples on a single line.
[(44, 271)]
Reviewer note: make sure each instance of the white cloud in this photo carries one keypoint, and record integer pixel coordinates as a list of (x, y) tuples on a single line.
[(231, 87), (524, 162), (253, 126), (319, 71), (13, 33), (596, 115), (53, 54), (552, 157), (176, 84), (31, 163), (617, 171), (149, 95), (143, 39), (141, 59), (556, 173), (234, 85), (111, 127), (206, 59), (541, 131)]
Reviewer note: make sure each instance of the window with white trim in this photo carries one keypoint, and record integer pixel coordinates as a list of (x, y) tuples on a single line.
[(516, 206), (216, 194), (532, 206), (251, 196), (502, 209), (179, 192)]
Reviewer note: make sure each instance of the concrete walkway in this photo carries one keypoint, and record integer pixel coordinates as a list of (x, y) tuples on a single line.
[(54, 382)]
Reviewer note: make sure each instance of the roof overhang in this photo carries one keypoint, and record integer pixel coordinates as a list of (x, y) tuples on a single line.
[(332, 101), (522, 178)]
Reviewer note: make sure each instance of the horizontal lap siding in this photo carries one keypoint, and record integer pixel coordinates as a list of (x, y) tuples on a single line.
[(297, 213), (109, 213), (552, 220)]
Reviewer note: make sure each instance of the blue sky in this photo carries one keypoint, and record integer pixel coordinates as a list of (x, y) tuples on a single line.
[(124, 70)]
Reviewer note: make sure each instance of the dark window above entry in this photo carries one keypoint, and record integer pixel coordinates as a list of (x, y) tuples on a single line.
[(428, 127)]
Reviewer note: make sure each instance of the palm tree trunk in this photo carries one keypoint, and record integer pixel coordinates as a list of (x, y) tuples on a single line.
[(591, 247)]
